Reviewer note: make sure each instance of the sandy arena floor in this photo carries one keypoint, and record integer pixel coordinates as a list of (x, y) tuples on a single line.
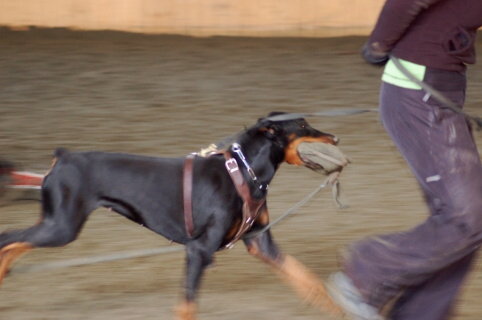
[(170, 95)]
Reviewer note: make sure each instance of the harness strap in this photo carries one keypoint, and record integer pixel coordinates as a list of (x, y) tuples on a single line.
[(187, 193), (251, 207)]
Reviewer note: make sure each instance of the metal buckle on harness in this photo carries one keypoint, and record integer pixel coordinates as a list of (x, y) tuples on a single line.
[(237, 149), (231, 165)]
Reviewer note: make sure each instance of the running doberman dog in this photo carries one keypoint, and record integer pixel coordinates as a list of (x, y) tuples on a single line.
[(204, 203)]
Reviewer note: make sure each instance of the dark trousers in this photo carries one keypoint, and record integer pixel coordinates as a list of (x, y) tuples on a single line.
[(425, 266)]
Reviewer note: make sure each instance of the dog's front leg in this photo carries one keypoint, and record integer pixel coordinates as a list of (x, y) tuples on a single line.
[(198, 257), (298, 276)]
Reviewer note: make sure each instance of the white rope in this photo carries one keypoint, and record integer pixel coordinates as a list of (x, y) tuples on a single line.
[(95, 259)]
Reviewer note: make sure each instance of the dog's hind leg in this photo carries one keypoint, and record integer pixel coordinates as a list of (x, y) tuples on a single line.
[(45, 234), (62, 218), (9, 254), (298, 276)]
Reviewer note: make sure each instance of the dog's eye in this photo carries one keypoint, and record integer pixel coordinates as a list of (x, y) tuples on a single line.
[(303, 126)]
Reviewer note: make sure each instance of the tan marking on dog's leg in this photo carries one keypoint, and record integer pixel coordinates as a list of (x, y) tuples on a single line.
[(253, 250), (263, 218), (11, 253), (186, 311), (306, 284), (300, 278)]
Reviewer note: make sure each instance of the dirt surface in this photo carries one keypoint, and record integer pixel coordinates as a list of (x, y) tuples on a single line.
[(169, 95)]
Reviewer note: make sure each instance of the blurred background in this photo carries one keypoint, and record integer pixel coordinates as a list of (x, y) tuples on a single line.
[(168, 78)]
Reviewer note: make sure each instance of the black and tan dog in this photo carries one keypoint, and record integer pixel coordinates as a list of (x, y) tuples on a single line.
[(205, 203)]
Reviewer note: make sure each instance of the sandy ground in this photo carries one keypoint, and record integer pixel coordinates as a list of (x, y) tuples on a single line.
[(169, 95)]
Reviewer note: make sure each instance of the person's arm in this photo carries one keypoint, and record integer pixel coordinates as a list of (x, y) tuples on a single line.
[(395, 18)]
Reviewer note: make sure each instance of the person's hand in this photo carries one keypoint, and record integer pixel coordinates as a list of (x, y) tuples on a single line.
[(374, 56)]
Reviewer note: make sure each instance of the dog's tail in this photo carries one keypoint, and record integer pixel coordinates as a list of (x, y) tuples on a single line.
[(59, 152)]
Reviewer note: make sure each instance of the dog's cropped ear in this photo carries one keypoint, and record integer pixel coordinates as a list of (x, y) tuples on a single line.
[(269, 133), (271, 130)]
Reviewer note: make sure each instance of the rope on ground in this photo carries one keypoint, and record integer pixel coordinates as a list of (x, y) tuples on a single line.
[(95, 259)]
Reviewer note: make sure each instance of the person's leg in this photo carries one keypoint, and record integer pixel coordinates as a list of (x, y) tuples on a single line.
[(439, 148), (439, 292)]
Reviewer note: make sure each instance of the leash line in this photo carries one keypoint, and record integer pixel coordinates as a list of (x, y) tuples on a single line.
[(328, 113), (287, 213), (332, 181), (437, 95), (285, 117)]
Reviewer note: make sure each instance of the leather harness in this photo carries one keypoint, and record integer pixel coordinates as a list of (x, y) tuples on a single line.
[(251, 207), (187, 193)]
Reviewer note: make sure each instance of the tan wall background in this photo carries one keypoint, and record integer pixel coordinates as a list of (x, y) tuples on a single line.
[(301, 18)]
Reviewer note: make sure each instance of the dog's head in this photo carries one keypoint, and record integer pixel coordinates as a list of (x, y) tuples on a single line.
[(289, 134)]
